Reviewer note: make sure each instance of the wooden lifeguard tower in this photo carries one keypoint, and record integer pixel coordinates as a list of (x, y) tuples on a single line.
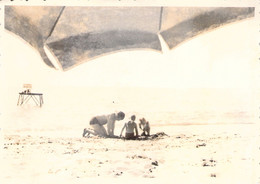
[(26, 95)]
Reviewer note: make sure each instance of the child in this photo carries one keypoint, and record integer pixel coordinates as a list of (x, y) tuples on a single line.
[(130, 126), (145, 127)]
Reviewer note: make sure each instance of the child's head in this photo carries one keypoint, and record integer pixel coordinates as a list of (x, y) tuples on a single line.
[(133, 117), (120, 115), (142, 121)]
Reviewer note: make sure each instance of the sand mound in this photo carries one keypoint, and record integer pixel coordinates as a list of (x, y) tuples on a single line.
[(159, 135)]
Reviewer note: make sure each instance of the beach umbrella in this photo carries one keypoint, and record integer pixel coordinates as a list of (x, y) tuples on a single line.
[(78, 34)]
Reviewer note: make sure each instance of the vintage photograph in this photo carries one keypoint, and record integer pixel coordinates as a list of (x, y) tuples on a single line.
[(156, 93)]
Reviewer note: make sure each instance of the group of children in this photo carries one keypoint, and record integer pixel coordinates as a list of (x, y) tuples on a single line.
[(131, 130)]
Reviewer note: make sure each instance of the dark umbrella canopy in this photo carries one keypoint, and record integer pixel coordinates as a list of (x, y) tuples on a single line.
[(33, 24), (100, 30), (199, 20), (78, 34)]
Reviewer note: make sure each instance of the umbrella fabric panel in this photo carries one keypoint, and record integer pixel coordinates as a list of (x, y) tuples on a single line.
[(172, 16), (83, 33), (33, 24), (78, 20), (77, 49), (203, 22)]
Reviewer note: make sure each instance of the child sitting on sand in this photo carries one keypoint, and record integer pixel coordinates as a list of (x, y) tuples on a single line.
[(145, 127), (130, 126)]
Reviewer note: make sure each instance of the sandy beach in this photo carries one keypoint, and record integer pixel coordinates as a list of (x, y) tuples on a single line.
[(189, 154)]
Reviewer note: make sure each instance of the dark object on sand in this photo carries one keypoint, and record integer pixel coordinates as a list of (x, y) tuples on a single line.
[(158, 135), (209, 163), (199, 145), (213, 175), (155, 163), (205, 164)]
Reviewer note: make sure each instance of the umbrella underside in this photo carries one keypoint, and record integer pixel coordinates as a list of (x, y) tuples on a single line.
[(78, 34)]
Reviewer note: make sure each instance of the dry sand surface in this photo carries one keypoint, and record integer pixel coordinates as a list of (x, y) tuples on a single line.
[(189, 154)]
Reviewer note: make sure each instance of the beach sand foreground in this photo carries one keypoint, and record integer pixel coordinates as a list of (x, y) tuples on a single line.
[(189, 154)]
